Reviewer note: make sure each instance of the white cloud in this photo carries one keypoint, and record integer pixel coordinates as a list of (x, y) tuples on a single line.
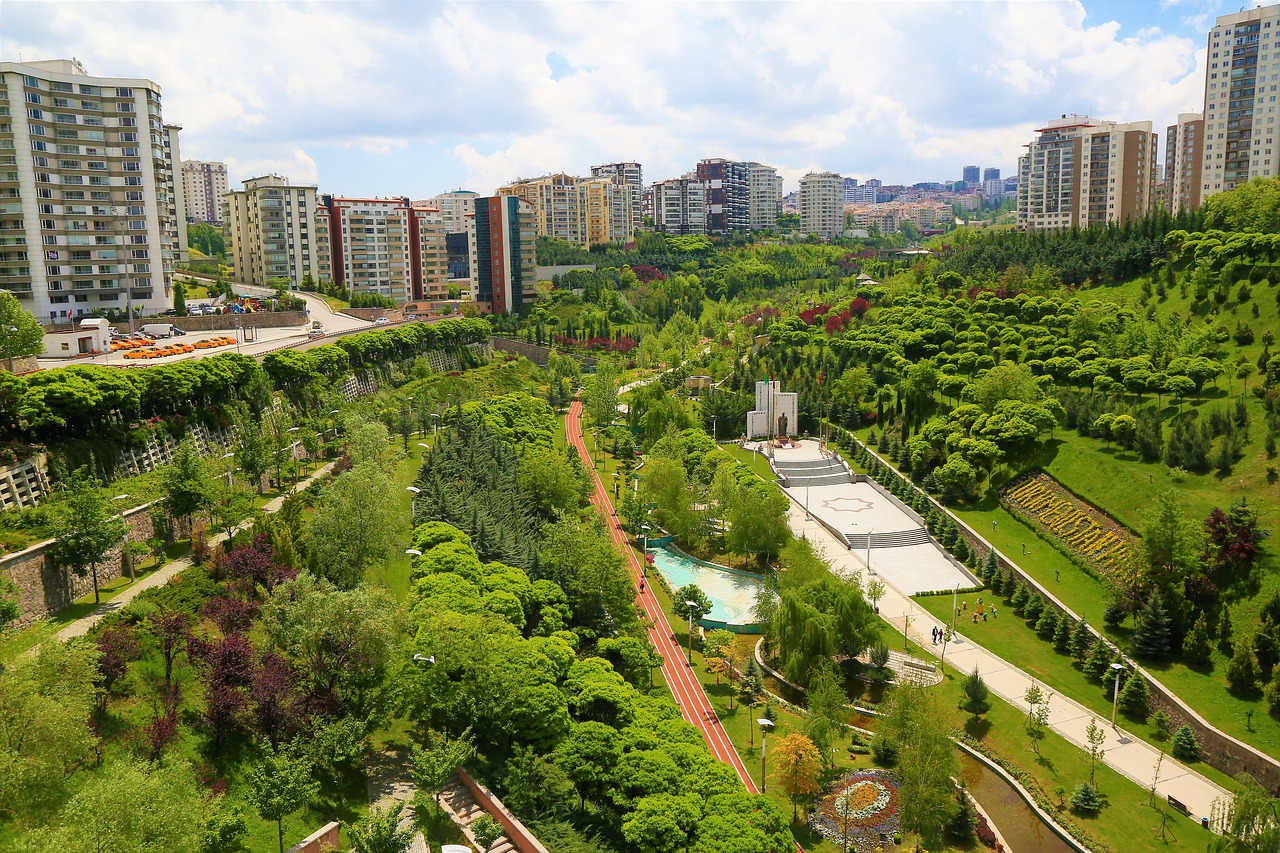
[(412, 98)]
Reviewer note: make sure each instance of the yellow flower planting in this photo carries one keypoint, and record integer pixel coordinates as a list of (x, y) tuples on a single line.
[(1042, 501)]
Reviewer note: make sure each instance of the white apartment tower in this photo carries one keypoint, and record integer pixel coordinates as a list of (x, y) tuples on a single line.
[(87, 197), (633, 176), (1184, 159), (454, 206), (680, 206), (1081, 171), (270, 228), (764, 196), (822, 204), (177, 199), (203, 186), (1243, 61)]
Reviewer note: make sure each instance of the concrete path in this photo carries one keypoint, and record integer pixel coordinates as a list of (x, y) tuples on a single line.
[(1124, 753), (81, 626)]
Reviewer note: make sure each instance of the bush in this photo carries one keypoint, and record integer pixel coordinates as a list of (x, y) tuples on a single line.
[(1185, 745), (884, 750), (1047, 624), (1161, 723), (1085, 799), (1242, 669), (1135, 698)]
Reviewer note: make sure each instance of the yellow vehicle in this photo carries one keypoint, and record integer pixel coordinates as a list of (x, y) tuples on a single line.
[(186, 347), (207, 343), (143, 352)]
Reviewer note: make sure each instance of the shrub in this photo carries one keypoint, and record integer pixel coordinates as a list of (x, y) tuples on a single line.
[(1085, 799), (1047, 624), (1185, 745), (1242, 669), (884, 749), (1161, 723), (1135, 698)]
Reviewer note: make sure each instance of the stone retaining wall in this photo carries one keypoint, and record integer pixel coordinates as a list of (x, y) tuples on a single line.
[(393, 315), (21, 364), (323, 840), (223, 322)]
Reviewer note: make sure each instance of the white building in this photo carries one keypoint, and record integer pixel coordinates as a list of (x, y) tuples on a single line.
[(87, 197), (454, 206), (822, 204), (764, 196), (270, 229), (680, 206), (203, 186)]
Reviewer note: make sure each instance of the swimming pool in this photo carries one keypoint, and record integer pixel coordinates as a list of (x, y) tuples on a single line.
[(732, 593)]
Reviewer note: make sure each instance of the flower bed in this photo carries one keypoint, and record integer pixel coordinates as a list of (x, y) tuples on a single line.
[(864, 804), (1087, 533)]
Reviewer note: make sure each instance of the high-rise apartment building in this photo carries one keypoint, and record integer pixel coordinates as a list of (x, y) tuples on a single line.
[(203, 186), (822, 204), (971, 175), (177, 217), (86, 192), (271, 229), (633, 176), (1239, 120), (765, 196), (990, 174), (1083, 171), (388, 246), (1183, 162), (454, 206), (607, 209), (680, 206), (728, 195), (581, 211), (502, 235)]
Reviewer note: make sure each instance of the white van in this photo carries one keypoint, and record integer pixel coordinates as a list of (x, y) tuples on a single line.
[(158, 330)]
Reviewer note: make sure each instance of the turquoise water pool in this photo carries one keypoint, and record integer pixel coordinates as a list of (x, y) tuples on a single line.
[(732, 594)]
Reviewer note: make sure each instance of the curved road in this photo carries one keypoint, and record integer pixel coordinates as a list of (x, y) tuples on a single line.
[(685, 687)]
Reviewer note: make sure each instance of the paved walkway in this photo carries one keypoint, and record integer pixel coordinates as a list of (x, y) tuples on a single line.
[(1124, 753), (81, 626)]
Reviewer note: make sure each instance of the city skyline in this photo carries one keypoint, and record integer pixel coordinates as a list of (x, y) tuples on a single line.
[(353, 100)]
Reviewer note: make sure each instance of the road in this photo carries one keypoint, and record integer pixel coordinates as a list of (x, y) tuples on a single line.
[(684, 684)]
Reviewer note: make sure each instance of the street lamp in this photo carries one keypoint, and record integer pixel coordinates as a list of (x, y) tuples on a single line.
[(644, 538), (1117, 668), (223, 457), (413, 501), (690, 606), (413, 552), (125, 557), (8, 345), (765, 725), (870, 571), (955, 592), (420, 658), (713, 427)]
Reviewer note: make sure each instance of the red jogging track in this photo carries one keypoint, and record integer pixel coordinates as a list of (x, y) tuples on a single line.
[(684, 684)]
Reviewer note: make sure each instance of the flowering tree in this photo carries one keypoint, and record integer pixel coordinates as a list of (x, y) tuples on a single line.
[(797, 767)]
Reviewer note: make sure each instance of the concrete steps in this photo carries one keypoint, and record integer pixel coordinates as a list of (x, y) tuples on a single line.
[(466, 811), (888, 539)]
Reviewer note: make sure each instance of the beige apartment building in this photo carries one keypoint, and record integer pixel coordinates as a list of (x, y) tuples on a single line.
[(1183, 162), (679, 206), (822, 204), (581, 211), (87, 196), (633, 177), (270, 228), (764, 196), (428, 256), (203, 186), (454, 206), (1082, 171)]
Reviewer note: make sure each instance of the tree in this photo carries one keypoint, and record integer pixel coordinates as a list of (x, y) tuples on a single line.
[(1096, 736), (662, 822), (1135, 697), (602, 392), (379, 832), (84, 528), (434, 763), (758, 523), (797, 767), (1151, 639), (1249, 822), (253, 454), (1197, 645), (186, 481), (1242, 670), (1081, 641), (1037, 714), (9, 608), (1185, 745), (20, 333), (926, 759), (229, 505), (876, 591), (280, 784), (680, 603), (46, 701), (180, 297), (1085, 799), (826, 720), (486, 831), (354, 525), (588, 755), (975, 690)]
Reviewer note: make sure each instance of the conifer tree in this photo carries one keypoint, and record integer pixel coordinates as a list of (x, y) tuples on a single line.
[(1063, 634), (1019, 598), (1242, 670), (1135, 698), (1081, 641), (1185, 745), (1151, 639), (1196, 646), (1095, 665), (1033, 607), (1047, 624)]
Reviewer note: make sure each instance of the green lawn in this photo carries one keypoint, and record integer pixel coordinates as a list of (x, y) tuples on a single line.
[(393, 573)]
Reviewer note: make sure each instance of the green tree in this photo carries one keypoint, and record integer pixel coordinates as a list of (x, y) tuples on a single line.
[(84, 528), (1151, 639), (1185, 745), (1135, 697), (435, 762), (1249, 822), (186, 481), (47, 699), (976, 691), (662, 822), (20, 333), (253, 453), (486, 831), (1197, 645), (826, 705), (180, 297), (280, 784), (758, 523), (602, 392), (379, 832), (589, 755), (354, 526), (1096, 736), (1242, 669), (926, 758)]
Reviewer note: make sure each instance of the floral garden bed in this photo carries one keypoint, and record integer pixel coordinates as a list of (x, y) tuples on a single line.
[(1083, 530), (861, 807)]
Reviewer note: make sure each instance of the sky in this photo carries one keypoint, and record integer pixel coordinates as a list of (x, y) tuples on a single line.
[(416, 98)]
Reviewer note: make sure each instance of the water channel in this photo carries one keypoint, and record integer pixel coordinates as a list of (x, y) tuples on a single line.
[(1018, 823)]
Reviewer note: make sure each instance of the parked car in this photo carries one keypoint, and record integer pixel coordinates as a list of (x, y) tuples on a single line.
[(381, 321)]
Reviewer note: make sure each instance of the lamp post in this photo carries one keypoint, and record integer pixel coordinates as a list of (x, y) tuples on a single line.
[(413, 501), (1117, 668), (8, 345), (224, 457), (644, 538), (765, 725), (690, 607), (870, 571), (125, 556), (435, 426), (955, 592), (713, 427), (413, 552)]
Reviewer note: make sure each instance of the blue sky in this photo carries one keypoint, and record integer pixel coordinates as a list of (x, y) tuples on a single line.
[(414, 98)]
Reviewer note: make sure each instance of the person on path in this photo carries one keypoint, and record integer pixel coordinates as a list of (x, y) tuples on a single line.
[(975, 618), (993, 612), (981, 610)]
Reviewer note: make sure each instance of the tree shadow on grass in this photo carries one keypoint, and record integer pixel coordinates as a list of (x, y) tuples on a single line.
[(977, 727)]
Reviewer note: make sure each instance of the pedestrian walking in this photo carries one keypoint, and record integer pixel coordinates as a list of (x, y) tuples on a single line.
[(964, 606), (993, 612), (975, 618), (984, 617)]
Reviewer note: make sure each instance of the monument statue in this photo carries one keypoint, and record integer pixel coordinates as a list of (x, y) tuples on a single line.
[(782, 426)]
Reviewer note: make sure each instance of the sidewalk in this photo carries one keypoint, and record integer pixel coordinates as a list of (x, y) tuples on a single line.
[(81, 626), (1125, 754)]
